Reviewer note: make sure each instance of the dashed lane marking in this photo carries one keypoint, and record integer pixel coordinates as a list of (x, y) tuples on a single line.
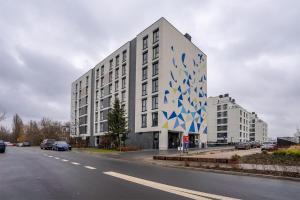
[(57, 158), (89, 167), (75, 163), (64, 160), (50, 156), (192, 194)]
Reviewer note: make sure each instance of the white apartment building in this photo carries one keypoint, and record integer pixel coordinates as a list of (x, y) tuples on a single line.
[(228, 122), (161, 79), (258, 129)]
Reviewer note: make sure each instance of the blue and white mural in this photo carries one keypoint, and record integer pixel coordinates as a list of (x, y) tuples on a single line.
[(186, 91)]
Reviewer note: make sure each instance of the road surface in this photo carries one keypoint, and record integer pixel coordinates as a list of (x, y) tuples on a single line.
[(31, 173)]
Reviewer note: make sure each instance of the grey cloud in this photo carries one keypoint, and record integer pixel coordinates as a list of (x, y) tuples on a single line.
[(252, 50)]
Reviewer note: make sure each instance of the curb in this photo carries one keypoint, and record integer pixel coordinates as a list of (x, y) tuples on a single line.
[(219, 171)]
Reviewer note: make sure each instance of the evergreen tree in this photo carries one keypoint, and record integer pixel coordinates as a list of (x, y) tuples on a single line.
[(117, 124)]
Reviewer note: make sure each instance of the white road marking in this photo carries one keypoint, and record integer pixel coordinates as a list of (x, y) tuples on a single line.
[(57, 158), (64, 160), (50, 156), (75, 163), (192, 194), (89, 167)]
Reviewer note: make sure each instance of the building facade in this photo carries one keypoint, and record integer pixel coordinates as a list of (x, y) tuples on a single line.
[(228, 122), (258, 129), (160, 77)]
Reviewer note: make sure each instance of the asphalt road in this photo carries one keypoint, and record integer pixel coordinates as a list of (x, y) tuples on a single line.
[(31, 173)]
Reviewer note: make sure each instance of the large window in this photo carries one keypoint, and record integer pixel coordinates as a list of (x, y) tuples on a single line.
[(155, 52), (144, 105), (123, 69), (97, 75), (116, 86), (123, 83), (154, 68), (144, 73), (110, 77), (123, 96), (117, 60), (124, 56), (102, 82), (154, 102), (102, 70), (145, 57), (110, 89), (117, 73), (145, 42), (154, 119), (155, 85), (144, 89), (155, 35), (110, 64), (144, 120)]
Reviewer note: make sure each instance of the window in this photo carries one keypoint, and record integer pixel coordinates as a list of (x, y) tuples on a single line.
[(117, 96), (87, 80), (116, 86), (97, 84), (145, 57), (225, 114), (144, 73), (154, 102), (144, 120), (155, 35), (124, 56), (219, 107), (224, 106), (123, 69), (222, 135), (110, 64), (117, 60), (102, 82), (110, 77), (101, 127), (79, 84), (155, 85), (144, 105), (155, 52), (102, 70), (154, 119), (101, 115), (101, 103), (144, 89), (109, 101), (123, 83), (123, 96), (110, 89), (145, 42), (154, 68), (97, 73), (101, 92), (117, 73)]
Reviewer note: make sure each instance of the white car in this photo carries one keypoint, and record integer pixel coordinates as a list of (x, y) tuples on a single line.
[(269, 146), (8, 144)]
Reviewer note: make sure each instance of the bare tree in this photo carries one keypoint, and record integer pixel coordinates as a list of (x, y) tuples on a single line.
[(18, 129), (2, 115)]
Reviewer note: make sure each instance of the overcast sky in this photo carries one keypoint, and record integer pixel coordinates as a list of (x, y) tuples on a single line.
[(253, 50)]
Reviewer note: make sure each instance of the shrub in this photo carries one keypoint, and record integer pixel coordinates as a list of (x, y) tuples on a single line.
[(264, 152), (235, 157), (287, 152)]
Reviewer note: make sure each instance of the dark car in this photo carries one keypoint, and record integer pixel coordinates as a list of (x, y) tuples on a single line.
[(242, 145), (26, 144), (61, 146), (2, 146), (47, 144), (254, 144)]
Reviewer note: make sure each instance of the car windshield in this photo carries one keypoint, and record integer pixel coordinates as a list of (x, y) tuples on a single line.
[(61, 142)]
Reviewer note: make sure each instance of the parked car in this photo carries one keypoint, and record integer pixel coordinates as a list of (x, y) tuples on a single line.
[(269, 146), (20, 144), (47, 144), (61, 146), (26, 144), (2, 146), (254, 144), (242, 145), (8, 144)]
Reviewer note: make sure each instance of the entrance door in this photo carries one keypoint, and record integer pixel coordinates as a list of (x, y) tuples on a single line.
[(173, 140), (155, 140)]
